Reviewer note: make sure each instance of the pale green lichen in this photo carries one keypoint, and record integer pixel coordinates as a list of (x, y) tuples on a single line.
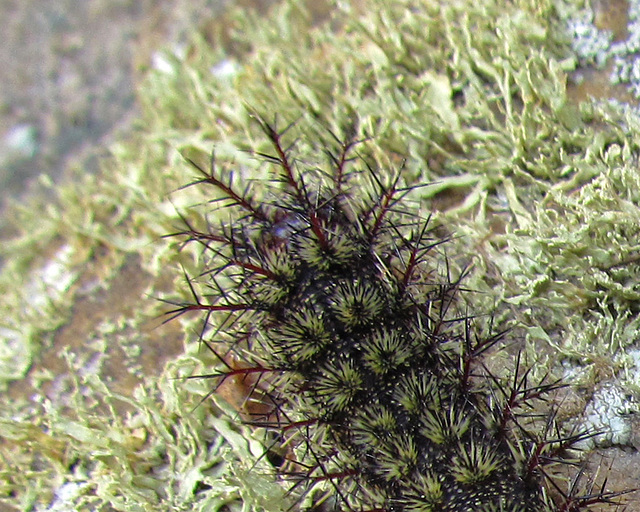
[(471, 96)]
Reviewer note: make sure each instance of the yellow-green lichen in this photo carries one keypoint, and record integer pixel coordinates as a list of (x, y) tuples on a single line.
[(471, 96)]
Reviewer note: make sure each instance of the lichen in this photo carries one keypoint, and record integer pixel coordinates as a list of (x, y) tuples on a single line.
[(470, 97)]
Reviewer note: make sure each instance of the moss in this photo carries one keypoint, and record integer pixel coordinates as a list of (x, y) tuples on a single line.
[(470, 97)]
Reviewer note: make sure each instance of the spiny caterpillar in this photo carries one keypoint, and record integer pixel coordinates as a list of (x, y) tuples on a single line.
[(329, 298)]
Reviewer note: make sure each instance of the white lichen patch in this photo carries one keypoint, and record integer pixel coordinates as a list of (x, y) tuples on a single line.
[(43, 291), (13, 359), (631, 361), (609, 415), (66, 496), (595, 47), (52, 279), (592, 46), (19, 142), (225, 69)]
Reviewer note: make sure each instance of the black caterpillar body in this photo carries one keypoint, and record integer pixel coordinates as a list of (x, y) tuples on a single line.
[(335, 303)]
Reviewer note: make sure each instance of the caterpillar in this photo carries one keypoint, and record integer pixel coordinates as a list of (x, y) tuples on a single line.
[(327, 294)]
